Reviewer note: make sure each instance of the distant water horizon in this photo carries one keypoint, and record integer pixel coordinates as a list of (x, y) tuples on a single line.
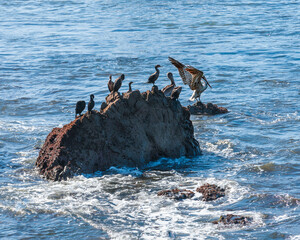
[(55, 53)]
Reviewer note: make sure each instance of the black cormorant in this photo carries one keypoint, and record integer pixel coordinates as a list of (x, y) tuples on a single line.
[(110, 84), (118, 83), (91, 103), (129, 84), (154, 76), (80, 106)]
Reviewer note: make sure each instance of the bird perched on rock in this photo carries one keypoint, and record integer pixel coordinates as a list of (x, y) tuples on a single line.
[(80, 106), (91, 103), (196, 83), (118, 83), (110, 84), (154, 76), (192, 77), (129, 84), (176, 92), (167, 90)]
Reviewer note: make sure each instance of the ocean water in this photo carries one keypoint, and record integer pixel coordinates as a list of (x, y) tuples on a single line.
[(54, 53)]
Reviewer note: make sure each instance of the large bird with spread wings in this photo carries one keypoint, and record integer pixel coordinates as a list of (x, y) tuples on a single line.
[(192, 77)]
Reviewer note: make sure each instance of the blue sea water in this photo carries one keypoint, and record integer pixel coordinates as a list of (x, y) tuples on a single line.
[(54, 53)]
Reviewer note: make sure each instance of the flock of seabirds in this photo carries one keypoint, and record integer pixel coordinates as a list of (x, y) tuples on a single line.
[(189, 75)]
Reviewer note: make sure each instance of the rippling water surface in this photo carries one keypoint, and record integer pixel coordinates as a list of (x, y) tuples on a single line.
[(54, 53)]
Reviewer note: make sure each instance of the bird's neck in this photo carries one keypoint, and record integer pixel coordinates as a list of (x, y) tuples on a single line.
[(157, 70), (172, 81)]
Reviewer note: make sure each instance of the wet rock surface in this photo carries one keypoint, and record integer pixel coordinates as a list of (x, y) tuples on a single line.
[(211, 192), (200, 108), (177, 194), (233, 219), (130, 130)]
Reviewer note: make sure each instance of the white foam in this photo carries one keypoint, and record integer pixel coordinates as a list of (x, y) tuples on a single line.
[(296, 237), (279, 117), (25, 126), (281, 218), (224, 148), (124, 205)]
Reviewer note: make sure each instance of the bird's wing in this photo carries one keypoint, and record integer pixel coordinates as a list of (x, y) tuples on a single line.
[(185, 76), (167, 90), (178, 89), (152, 78), (194, 71), (117, 79), (176, 92), (196, 77)]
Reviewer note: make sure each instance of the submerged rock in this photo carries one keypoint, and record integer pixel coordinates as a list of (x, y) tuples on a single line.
[(177, 194), (211, 192), (200, 108), (233, 219), (130, 130)]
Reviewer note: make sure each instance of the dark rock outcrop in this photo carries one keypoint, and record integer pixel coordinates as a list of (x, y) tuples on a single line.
[(177, 194), (233, 219), (211, 192), (200, 108), (129, 130)]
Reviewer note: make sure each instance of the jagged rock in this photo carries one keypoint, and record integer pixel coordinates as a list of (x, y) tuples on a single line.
[(211, 192), (129, 130), (233, 219), (200, 108), (177, 194)]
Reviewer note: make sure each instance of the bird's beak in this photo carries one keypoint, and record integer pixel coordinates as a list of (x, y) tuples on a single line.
[(206, 81)]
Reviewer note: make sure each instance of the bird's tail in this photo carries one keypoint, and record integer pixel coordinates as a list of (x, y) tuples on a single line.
[(194, 96), (176, 63)]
